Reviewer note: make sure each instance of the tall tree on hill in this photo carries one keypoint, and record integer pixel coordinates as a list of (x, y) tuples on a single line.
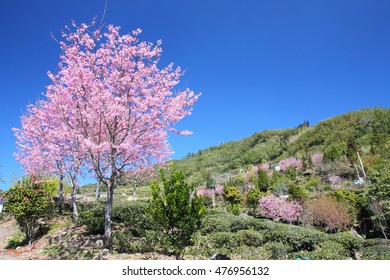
[(263, 180), (110, 95)]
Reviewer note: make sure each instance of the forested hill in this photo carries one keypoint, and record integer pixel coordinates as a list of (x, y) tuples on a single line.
[(340, 137)]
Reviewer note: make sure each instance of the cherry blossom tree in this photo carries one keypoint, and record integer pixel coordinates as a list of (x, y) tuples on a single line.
[(317, 158), (43, 152), (335, 180), (291, 161), (274, 207), (110, 96)]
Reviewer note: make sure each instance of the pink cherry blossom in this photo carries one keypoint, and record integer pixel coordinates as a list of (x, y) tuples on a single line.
[(108, 109), (275, 207), (288, 162)]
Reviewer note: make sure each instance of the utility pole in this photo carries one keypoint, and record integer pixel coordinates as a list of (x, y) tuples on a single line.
[(361, 165)]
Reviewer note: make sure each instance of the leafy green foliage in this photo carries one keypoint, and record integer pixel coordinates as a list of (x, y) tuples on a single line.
[(263, 181), (298, 238), (28, 201), (233, 197), (92, 216), (252, 198), (177, 210)]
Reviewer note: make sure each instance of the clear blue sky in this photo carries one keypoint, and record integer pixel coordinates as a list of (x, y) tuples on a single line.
[(260, 64)]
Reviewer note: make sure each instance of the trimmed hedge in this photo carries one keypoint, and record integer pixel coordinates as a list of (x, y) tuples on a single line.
[(300, 239)]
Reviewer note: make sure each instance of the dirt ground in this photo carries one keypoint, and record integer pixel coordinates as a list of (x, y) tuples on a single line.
[(30, 252), (62, 236)]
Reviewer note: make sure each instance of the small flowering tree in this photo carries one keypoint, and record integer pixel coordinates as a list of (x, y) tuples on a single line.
[(28, 201), (335, 180), (290, 162), (264, 167), (219, 189), (275, 207), (317, 158)]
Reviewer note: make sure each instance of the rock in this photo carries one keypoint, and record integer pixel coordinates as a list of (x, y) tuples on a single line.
[(99, 243), (219, 257), (105, 252), (244, 215)]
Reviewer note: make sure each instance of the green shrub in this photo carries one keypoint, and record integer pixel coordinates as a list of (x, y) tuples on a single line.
[(176, 210), (313, 184), (376, 249), (297, 192), (297, 237), (216, 223), (261, 224), (249, 253), (92, 216), (249, 238), (277, 250), (239, 224), (263, 180), (376, 252), (350, 243), (223, 240), (328, 250), (252, 198), (133, 215), (29, 201), (124, 242), (291, 173), (233, 197)]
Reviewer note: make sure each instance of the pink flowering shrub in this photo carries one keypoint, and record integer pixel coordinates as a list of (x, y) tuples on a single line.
[(264, 167), (292, 161), (203, 191), (335, 180), (317, 158), (275, 207), (219, 189), (250, 175)]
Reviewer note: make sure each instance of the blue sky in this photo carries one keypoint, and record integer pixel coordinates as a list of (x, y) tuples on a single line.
[(259, 64)]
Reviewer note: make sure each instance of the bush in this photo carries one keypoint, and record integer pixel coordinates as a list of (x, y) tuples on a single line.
[(297, 237), (350, 243), (275, 207), (223, 240), (249, 238), (291, 173), (217, 223), (329, 213), (261, 224), (376, 252), (133, 215), (249, 253), (92, 216), (29, 201), (239, 224), (177, 210), (124, 242), (297, 192), (232, 195), (277, 250), (328, 250), (252, 198), (263, 180)]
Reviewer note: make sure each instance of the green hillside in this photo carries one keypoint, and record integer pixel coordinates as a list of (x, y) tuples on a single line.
[(339, 139)]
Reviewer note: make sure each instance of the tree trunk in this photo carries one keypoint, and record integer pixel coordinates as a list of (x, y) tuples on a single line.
[(382, 228), (213, 204), (75, 213), (134, 191), (98, 190), (107, 215), (61, 194)]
